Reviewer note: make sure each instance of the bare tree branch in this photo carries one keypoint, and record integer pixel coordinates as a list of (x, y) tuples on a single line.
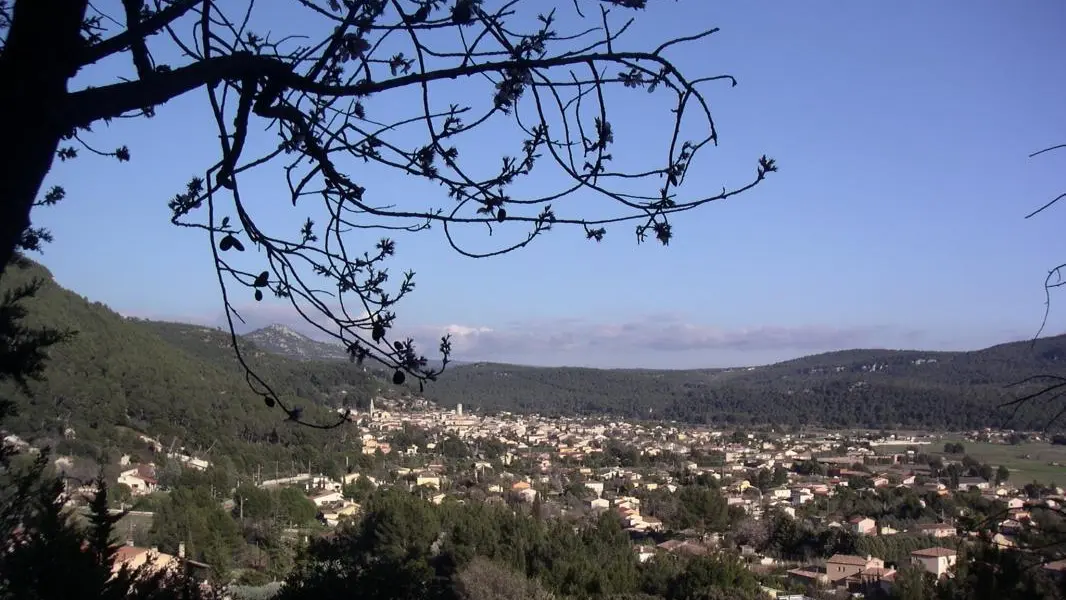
[(315, 92), (1055, 390)]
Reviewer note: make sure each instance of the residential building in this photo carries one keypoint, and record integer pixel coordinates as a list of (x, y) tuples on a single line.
[(937, 561), (863, 526)]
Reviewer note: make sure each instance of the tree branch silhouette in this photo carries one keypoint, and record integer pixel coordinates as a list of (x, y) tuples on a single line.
[(1044, 388), (308, 104)]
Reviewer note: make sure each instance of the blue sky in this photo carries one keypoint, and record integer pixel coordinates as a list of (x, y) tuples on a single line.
[(902, 132)]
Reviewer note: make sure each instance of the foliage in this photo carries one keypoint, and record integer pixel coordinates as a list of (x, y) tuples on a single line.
[(371, 88), (408, 548), (359, 490), (23, 349), (47, 555), (483, 579), (954, 448), (120, 378), (193, 517), (909, 389)]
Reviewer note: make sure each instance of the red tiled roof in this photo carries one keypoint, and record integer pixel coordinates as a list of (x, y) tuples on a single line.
[(127, 553)]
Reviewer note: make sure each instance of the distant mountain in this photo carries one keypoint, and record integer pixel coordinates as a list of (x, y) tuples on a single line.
[(282, 340)]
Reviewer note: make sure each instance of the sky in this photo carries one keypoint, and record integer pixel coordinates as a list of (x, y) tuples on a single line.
[(897, 220)]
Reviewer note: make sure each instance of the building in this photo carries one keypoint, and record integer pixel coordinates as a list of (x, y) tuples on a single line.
[(966, 483), (937, 530), (141, 480), (863, 526), (327, 497), (134, 557), (842, 566), (937, 561), (428, 479)]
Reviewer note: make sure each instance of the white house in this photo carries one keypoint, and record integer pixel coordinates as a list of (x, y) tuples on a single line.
[(935, 560), (327, 497), (141, 480), (599, 504), (428, 480), (595, 486)]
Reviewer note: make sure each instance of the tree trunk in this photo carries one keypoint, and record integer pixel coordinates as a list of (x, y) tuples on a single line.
[(40, 56)]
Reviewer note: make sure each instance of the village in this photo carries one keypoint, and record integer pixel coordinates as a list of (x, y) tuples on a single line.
[(559, 467)]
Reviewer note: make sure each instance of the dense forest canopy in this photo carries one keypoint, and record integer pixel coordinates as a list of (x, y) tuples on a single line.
[(853, 388)]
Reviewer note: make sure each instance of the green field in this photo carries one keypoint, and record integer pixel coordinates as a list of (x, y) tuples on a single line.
[(1026, 462)]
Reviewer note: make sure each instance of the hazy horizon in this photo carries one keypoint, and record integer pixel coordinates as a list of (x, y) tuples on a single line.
[(308, 332)]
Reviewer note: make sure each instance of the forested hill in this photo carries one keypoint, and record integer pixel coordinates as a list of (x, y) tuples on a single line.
[(180, 384), (866, 388)]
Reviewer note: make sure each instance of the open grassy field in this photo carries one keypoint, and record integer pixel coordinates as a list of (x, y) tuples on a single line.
[(1026, 462)]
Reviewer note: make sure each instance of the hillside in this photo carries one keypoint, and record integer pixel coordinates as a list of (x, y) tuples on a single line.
[(118, 378), (181, 383), (864, 388)]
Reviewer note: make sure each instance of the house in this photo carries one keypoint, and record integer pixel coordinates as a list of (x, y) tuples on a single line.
[(689, 547), (134, 557), (644, 553), (935, 560), (595, 486), (1010, 527), (428, 479), (801, 496), (879, 577), (842, 566), (333, 517), (863, 526), (141, 480), (327, 497), (781, 493), (652, 524), (966, 483), (937, 530), (808, 575)]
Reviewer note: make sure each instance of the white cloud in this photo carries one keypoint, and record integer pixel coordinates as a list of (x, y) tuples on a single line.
[(660, 340)]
